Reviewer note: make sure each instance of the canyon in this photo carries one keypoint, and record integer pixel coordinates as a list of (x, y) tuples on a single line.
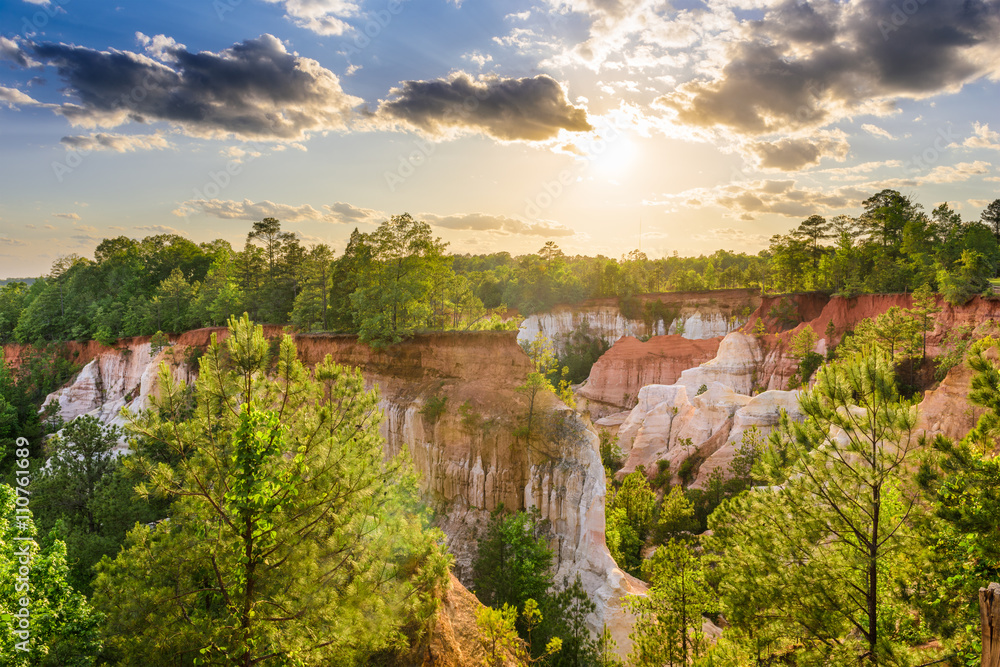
[(451, 400)]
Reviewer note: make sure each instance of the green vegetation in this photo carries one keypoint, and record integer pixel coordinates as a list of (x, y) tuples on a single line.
[(291, 537)]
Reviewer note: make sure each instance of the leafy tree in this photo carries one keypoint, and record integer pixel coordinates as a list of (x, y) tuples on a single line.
[(991, 216), (676, 515), (312, 304), (629, 518), (669, 618), (291, 535), (742, 475), (923, 311), (814, 560), (565, 617), (62, 628), (513, 561), (392, 300)]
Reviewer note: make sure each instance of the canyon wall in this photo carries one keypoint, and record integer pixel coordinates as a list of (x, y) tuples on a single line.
[(701, 315), (468, 459), (631, 364)]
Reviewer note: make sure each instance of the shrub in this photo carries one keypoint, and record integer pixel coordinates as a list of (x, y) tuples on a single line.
[(434, 408)]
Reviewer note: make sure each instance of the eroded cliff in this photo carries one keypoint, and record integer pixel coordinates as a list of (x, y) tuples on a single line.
[(451, 400), (694, 315)]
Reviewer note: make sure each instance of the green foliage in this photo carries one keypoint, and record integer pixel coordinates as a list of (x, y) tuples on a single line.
[(405, 262), (813, 563), (158, 342), (629, 518), (669, 618), (676, 516), (701, 390), (62, 629), (84, 487), (611, 454), (954, 345), (290, 533), (513, 561), (565, 617), (580, 350), (434, 408)]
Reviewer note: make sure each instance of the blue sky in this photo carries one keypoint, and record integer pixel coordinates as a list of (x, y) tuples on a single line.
[(504, 125)]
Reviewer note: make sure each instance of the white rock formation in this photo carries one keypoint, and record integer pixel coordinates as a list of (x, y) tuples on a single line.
[(734, 366), (607, 322)]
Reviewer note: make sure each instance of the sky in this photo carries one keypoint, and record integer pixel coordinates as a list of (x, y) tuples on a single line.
[(602, 125)]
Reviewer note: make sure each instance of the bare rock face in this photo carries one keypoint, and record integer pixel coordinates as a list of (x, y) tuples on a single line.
[(735, 365), (700, 315), (466, 454), (630, 364)]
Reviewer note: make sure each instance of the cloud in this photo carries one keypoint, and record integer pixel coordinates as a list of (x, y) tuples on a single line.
[(809, 64), (876, 131), (119, 143), (531, 108), (793, 154), (11, 242), (254, 89), (67, 216), (324, 17), (161, 229), (983, 137), (339, 212), (12, 51), (748, 199), (13, 97), (957, 173), (496, 224), (735, 238), (349, 214)]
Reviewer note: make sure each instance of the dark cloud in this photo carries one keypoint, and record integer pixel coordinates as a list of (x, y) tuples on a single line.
[(792, 154), (860, 56), (499, 224), (254, 89), (119, 143), (532, 109)]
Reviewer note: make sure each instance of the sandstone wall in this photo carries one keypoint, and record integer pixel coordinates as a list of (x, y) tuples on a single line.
[(468, 459), (630, 364), (704, 315)]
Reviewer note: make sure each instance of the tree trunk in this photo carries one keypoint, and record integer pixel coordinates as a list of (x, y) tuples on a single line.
[(989, 617)]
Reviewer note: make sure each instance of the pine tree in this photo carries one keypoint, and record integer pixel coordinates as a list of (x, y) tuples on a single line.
[(291, 535), (813, 557)]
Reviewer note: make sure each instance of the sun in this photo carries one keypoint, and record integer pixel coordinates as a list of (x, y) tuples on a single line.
[(612, 156)]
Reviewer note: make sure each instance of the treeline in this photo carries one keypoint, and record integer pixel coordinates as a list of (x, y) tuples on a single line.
[(398, 279), (893, 246)]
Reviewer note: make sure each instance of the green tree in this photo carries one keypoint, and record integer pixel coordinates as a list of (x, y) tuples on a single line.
[(676, 515), (669, 617), (312, 308), (923, 311), (513, 561), (815, 559), (291, 535), (629, 518), (393, 299), (62, 628), (991, 216), (81, 487)]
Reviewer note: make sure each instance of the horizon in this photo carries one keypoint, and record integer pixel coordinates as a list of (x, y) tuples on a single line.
[(531, 121)]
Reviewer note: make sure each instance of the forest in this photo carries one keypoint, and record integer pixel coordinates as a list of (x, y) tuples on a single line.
[(255, 517), (398, 279)]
